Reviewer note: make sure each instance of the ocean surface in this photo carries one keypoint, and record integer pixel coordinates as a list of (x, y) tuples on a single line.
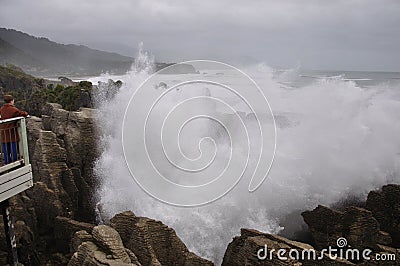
[(337, 136), (300, 77), (361, 78)]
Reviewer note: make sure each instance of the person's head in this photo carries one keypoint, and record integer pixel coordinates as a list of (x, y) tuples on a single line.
[(8, 99)]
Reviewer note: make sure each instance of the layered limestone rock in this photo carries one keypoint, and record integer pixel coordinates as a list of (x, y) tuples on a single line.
[(256, 248), (153, 242), (62, 148), (75, 133), (371, 228), (357, 225), (385, 207), (103, 247), (359, 228), (65, 229), (131, 240)]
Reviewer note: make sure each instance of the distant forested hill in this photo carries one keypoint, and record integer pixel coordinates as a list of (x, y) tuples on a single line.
[(42, 57)]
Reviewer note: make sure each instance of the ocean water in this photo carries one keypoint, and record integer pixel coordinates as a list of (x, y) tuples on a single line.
[(362, 79), (337, 136)]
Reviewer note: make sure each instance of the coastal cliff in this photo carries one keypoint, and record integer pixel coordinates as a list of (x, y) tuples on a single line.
[(63, 179)]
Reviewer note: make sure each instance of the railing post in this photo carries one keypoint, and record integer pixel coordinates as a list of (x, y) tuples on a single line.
[(23, 140), (10, 235)]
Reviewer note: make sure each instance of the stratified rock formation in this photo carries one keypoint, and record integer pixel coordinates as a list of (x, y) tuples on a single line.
[(355, 224), (64, 230), (62, 151), (256, 248), (385, 207), (103, 247), (131, 240), (153, 242), (375, 228)]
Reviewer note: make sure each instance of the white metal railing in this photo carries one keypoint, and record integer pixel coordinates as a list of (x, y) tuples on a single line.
[(15, 169)]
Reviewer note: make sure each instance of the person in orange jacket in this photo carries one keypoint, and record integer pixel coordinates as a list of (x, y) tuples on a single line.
[(9, 133)]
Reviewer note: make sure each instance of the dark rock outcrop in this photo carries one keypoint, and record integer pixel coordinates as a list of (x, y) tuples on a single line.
[(65, 229), (355, 224), (361, 228), (385, 207)]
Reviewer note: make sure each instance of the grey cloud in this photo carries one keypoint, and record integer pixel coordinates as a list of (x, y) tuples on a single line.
[(319, 34)]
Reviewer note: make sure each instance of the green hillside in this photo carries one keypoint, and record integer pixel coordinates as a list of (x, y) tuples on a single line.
[(42, 57)]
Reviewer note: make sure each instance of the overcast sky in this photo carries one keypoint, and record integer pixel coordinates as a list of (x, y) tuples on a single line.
[(315, 34)]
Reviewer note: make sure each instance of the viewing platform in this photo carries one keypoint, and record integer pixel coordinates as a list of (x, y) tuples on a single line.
[(15, 170), (15, 174)]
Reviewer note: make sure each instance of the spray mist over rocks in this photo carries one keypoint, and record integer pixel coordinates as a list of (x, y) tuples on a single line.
[(195, 145), (334, 139)]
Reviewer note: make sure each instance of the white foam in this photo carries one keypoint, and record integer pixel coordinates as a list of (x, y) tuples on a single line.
[(337, 139)]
